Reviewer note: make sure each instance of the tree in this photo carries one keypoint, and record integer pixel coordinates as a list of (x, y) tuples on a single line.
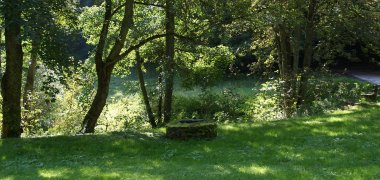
[(288, 42), (11, 81), (288, 28), (48, 26), (302, 35), (169, 62), (144, 92), (106, 63)]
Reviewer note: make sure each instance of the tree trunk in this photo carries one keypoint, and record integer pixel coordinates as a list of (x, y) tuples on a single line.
[(160, 99), (287, 75), (169, 64), (11, 82), (309, 34), (104, 68), (144, 91), (1, 53), (296, 50), (29, 84), (308, 52), (91, 118)]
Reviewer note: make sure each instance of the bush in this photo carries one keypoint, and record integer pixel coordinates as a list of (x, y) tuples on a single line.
[(47, 86), (265, 105), (218, 106), (324, 93), (330, 92), (72, 104)]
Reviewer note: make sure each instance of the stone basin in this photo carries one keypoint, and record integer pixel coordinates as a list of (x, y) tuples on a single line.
[(185, 129), (191, 120)]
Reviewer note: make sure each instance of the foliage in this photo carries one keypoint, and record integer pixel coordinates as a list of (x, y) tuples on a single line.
[(204, 67), (210, 36), (47, 87), (349, 30), (325, 93), (265, 105), (52, 26), (72, 102), (220, 106), (123, 113)]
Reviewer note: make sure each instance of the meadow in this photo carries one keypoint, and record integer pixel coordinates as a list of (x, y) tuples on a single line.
[(344, 145)]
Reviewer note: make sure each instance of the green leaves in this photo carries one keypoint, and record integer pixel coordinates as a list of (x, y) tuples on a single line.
[(204, 66)]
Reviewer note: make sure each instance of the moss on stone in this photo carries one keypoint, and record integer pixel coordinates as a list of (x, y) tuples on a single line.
[(198, 130)]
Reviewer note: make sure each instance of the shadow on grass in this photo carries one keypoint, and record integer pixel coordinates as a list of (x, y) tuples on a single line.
[(344, 144)]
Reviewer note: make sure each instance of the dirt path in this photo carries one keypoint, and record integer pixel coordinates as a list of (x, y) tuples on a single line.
[(372, 77)]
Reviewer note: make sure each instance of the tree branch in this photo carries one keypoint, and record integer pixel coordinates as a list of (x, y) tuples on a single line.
[(143, 42), (150, 4), (126, 25), (190, 39), (136, 2), (134, 47), (104, 33)]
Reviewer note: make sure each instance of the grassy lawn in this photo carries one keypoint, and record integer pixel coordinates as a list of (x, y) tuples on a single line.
[(345, 144)]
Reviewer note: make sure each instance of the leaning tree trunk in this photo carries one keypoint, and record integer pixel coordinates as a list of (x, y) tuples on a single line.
[(11, 82), (144, 92), (91, 118), (104, 68), (169, 64), (29, 84)]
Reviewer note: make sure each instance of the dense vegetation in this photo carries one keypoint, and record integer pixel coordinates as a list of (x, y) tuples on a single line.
[(113, 67)]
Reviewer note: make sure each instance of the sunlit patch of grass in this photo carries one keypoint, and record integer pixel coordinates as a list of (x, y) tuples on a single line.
[(53, 173), (230, 127), (8, 178), (255, 169)]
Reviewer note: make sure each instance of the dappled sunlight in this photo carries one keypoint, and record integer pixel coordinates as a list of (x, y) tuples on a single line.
[(177, 89), (92, 172), (288, 154), (54, 173), (207, 149), (271, 133), (327, 132), (312, 122), (231, 128), (9, 178), (301, 147), (255, 169)]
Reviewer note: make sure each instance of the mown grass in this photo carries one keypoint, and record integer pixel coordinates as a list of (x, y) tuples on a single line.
[(341, 145)]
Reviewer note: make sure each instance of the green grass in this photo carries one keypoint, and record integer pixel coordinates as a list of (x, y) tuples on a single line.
[(245, 86), (342, 145)]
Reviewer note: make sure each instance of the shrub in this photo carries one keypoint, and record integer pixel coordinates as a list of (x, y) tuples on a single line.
[(329, 92), (218, 106), (324, 93), (72, 104), (265, 105)]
